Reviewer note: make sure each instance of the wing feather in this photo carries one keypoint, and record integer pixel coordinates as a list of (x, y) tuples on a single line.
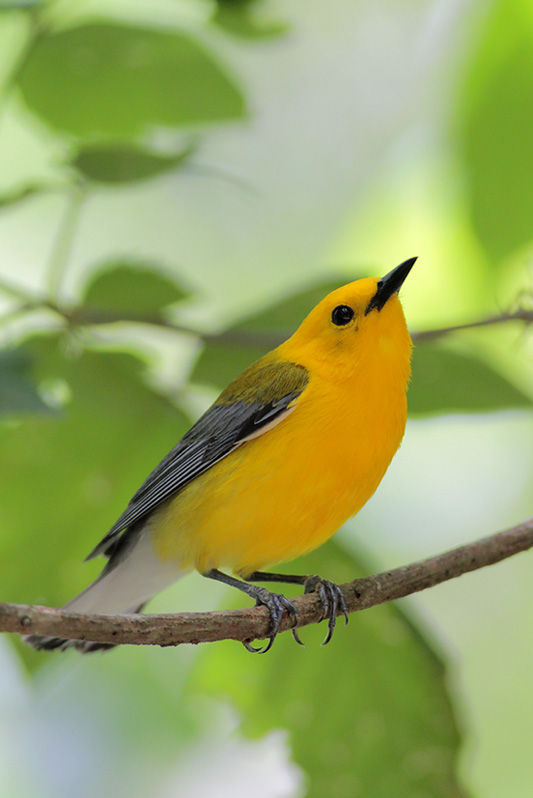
[(223, 427)]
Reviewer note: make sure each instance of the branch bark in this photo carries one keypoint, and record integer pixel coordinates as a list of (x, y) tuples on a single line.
[(249, 624), (83, 316)]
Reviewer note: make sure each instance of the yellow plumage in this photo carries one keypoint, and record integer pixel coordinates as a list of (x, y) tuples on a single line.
[(288, 490)]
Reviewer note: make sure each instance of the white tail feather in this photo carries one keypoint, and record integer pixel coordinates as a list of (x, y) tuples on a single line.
[(124, 589), (134, 580)]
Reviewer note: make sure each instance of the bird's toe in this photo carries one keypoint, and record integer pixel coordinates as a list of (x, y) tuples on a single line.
[(332, 599), (277, 604)]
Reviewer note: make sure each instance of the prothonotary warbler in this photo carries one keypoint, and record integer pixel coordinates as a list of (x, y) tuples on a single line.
[(290, 450)]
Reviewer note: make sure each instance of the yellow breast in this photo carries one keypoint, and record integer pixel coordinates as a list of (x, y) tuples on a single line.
[(288, 490)]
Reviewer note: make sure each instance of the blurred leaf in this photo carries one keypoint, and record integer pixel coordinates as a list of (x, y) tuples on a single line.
[(218, 364), (104, 80), (222, 360), (18, 394), (368, 715), (498, 128), (130, 289), (160, 721), (17, 5), (65, 480), (446, 381), (238, 17), (125, 163)]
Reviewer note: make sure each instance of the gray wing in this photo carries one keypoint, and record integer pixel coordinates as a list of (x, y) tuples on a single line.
[(216, 434)]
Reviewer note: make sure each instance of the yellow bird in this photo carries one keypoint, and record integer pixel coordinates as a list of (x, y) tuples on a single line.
[(290, 450)]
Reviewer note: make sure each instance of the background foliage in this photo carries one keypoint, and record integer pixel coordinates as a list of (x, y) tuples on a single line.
[(177, 189)]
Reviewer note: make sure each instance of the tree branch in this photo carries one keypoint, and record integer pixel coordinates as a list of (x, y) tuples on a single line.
[(249, 624), (93, 317), (267, 339), (518, 315)]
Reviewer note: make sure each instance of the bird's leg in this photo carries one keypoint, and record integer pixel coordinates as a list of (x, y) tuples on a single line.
[(330, 594), (275, 602)]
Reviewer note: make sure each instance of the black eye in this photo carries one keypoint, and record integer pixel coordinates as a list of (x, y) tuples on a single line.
[(342, 315)]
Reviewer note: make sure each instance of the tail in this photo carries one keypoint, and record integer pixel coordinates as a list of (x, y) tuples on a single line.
[(129, 580)]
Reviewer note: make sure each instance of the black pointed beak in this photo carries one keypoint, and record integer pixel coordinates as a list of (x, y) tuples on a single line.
[(389, 285)]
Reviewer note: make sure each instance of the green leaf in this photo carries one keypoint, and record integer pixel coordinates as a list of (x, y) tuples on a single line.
[(129, 289), (368, 715), (497, 130), (238, 18), (218, 364), (66, 479), (105, 80), (444, 381), (125, 163), (18, 394), (224, 358)]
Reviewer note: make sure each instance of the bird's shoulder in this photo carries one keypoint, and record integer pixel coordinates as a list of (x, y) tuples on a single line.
[(267, 380)]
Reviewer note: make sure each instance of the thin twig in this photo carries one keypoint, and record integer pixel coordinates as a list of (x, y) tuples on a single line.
[(88, 317), (18, 292), (85, 316), (249, 624), (430, 335)]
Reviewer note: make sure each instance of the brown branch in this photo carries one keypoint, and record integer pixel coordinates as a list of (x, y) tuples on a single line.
[(249, 624)]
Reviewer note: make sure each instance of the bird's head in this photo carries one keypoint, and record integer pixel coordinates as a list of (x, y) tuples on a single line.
[(356, 326)]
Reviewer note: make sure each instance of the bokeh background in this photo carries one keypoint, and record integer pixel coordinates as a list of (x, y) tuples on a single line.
[(179, 182)]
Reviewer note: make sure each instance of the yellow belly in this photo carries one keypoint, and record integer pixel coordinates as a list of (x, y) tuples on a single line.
[(288, 490)]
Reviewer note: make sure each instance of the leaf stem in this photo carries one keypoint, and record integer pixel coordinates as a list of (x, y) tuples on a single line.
[(17, 292), (64, 239)]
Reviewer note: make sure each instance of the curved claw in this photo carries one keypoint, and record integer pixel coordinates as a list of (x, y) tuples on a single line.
[(250, 648), (323, 592), (276, 604), (332, 599), (296, 637)]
